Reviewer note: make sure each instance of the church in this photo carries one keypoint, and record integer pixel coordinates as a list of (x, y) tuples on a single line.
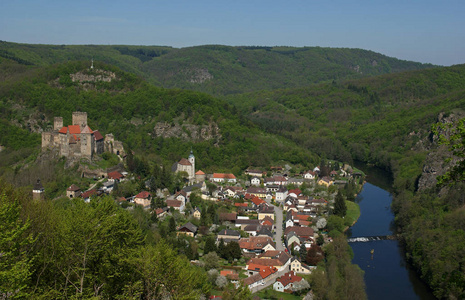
[(186, 165)]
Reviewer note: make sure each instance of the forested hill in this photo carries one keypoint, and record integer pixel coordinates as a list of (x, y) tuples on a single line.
[(377, 120), (162, 124), (220, 70)]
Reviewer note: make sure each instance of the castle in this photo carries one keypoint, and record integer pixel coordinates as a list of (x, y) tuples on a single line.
[(76, 140)]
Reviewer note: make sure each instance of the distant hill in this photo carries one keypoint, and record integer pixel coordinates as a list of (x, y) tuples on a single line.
[(220, 70)]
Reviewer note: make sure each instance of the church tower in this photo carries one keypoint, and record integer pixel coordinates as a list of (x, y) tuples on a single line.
[(191, 159)]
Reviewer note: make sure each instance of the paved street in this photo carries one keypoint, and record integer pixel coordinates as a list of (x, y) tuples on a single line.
[(279, 226)]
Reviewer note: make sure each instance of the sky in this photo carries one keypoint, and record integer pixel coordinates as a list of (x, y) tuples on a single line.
[(428, 31)]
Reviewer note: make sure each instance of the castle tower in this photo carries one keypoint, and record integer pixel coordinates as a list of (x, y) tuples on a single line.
[(80, 118), (57, 123), (38, 191)]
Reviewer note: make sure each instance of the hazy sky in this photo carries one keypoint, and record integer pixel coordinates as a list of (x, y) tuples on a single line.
[(425, 31)]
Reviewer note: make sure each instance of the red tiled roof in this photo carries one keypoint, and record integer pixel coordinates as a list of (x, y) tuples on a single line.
[(257, 201), (295, 191), (199, 172), (143, 195), (173, 203), (288, 278), (224, 175), (240, 204), (89, 194), (115, 175), (227, 216), (255, 242), (63, 130), (184, 162), (74, 129), (300, 231), (97, 135), (159, 211)]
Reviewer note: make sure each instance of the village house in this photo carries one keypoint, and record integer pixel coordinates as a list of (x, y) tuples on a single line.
[(88, 194), (281, 194), (187, 229), (257, 244), (243, 223), (272, 258), (264, 210), (255, 181), (298, 267), (197, 214), (256, 173), (223, 178), (228, 235), (161, 212), (263, 275), (143, 198), (115, 176), (286, 281), (326, 181), (257, 191), (176, 204), (310, 175)]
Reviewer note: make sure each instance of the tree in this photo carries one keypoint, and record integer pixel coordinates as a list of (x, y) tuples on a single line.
[(340, 208), (211, 261), (15, 264), (221, 248), (314, 255), (232, 251), (210, 245), (172, 225), (302, 252)]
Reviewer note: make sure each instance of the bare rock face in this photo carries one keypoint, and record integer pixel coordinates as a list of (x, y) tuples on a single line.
[(435, 163), (199, 75), (94, 76), (187, 131)]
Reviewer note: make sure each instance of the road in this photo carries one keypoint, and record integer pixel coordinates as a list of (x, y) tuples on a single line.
[(279, 226)]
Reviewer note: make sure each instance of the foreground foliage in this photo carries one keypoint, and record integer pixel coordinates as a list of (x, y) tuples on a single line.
[(82, 250)]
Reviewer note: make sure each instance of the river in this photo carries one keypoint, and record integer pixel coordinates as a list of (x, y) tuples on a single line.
[(387, 274)]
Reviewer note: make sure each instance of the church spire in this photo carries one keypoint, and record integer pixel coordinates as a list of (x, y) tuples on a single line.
[(92, 65)]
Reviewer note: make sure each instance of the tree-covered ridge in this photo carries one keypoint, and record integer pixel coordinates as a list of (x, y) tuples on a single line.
[(378, 120), (218, 69), (130, 108)]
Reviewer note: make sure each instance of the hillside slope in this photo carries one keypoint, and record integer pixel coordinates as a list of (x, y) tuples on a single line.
[(162, 124), (220, 70)]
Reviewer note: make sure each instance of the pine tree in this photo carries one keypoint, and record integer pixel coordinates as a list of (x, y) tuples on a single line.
[(340, 208), (210, 245)]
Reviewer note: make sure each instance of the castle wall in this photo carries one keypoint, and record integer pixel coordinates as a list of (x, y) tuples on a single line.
[(57, 123), (87, 144), (80, 118), (47, 139), (99, 147)]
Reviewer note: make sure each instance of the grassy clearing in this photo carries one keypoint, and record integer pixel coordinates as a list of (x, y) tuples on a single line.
[(353, 212)]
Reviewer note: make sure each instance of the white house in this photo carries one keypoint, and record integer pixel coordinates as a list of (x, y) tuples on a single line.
[(255, 181)]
